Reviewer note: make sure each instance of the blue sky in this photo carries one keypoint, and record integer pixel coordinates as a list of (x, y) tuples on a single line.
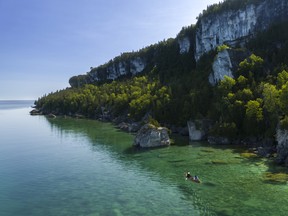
[(45, 42)]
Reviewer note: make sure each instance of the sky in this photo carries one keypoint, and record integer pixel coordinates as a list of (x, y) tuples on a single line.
[(45, 42)]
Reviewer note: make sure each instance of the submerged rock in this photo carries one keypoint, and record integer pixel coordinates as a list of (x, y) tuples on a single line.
[(276, 177), (248, 155), (150, 136)]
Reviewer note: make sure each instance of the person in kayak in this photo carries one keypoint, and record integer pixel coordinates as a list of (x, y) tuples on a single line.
[(188, 175), (196, 178)]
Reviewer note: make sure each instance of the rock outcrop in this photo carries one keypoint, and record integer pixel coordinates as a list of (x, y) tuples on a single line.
[(226, 63), (150, 136), (195, 134), (184, 45), (282, 147), (232, 27), (198, 129), (235, 27), (36, 112), (117, 69), (222, 66)]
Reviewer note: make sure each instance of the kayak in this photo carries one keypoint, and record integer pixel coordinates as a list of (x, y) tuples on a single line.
[(195, 180)]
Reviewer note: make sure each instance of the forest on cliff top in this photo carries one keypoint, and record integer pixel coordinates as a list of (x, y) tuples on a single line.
[(174, 88)]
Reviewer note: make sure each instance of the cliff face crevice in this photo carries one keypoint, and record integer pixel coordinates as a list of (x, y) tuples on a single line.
[(236, 27)]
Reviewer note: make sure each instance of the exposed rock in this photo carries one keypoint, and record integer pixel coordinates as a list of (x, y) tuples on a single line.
[(35, 112), (184, 45), (150, 136), (115, 70), (222, 66), (282, 147), (194, 133), (198, 129), (235, 27), (137, 65), (226, 63), (129, 127)]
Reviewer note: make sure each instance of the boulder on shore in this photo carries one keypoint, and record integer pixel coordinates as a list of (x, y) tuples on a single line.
[(150, 136), (35, 112), (282, 147), (198, 129)]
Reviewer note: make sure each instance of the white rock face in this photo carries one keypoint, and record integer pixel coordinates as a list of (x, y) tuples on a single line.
[(184, 45), (137, 65), (150, 136), (222, 66), (122, 70), (194, 133), (232, 27), (115, 70), (282, 147), (224, 28)]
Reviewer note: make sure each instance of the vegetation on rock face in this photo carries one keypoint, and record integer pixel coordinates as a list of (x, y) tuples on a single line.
[(226, 5), (173, 89)]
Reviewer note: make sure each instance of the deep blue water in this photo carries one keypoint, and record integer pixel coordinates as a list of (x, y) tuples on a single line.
[(67, 166)]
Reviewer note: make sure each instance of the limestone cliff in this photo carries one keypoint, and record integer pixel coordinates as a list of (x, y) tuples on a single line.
[(133, 63), (233, 27), (225, 63), (116, 69)]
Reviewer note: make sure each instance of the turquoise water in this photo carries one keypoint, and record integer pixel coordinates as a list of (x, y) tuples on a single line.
[(69, 166)]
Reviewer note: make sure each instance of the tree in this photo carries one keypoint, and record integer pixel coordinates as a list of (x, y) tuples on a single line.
[(226, 85), (254, 110), (252, 67), (282, 78), (271, 98)]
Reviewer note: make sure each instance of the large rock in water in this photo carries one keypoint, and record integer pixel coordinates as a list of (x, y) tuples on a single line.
[(150, 136), (195, 134), (198, 129)]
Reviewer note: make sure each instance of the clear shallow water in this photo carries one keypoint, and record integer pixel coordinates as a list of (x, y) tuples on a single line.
[(83, 167)]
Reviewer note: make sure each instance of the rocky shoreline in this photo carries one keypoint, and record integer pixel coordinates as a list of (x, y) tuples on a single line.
[(149, 136)]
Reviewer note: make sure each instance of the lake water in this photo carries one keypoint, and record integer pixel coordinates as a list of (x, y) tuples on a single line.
[(67, 166)]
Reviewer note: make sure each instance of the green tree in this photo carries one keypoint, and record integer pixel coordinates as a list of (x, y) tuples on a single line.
[(282, 78), (271, 98)]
